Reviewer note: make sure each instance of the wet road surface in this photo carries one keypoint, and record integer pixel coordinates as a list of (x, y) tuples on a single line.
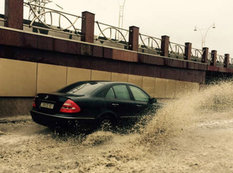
[(191, 134)]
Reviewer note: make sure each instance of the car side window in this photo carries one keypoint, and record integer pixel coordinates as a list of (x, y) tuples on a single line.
[(121, 92), (138, 94), (110, 94)]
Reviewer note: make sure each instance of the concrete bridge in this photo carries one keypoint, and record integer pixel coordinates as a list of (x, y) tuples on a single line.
[(38, 57)]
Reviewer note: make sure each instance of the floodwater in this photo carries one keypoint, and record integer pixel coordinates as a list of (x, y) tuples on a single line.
[(191, 134)]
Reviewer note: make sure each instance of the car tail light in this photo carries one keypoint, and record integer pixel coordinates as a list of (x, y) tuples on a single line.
[(70, 107), (34, 103)]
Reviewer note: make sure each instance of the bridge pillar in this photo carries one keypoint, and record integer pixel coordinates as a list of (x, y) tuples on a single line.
[(188, 51), (14, 14), (165, 45), (226, 60), (88, 25), (133, 38), (205, 54), (213, 58)]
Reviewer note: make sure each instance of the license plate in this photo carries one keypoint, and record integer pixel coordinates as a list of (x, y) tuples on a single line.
[(47, 105)]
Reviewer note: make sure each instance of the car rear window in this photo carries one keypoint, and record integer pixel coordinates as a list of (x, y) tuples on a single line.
[(110, 94), (81, 88)]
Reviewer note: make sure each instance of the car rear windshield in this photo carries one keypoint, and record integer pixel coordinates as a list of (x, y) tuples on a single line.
[(81, 88)]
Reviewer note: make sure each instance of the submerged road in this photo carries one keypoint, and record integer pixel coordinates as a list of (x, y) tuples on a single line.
[(28, 147), (191, 134)]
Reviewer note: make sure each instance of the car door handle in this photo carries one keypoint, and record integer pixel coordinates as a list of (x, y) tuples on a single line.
[(115, 104), (139, 106)]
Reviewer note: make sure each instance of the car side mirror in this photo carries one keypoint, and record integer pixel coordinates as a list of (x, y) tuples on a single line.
[(152, 100)]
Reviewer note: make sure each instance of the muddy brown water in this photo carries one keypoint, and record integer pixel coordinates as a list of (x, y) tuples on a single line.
[(191, 134)]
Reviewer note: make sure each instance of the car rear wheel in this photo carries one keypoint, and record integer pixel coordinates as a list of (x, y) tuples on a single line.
[(107, 124)]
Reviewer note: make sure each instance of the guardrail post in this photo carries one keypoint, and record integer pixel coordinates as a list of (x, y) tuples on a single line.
[(213, 58), (226, 60), (165, 45), (14, 14), (188, 51), (205, 53), (133, 38), (88, 25)]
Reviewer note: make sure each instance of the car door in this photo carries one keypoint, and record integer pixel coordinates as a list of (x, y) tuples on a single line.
[(119, 100), (141, 100)]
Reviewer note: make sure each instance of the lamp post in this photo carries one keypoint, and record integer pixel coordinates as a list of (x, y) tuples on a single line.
[(204, 32)]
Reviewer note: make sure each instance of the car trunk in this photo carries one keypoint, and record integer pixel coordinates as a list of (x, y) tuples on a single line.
[(51, 103)]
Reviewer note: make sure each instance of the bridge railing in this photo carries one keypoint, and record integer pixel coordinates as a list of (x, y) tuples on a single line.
[(196, 54), (231, 61), (149, 44), (111, 35), (209, 57), (58, 23), (176, 50), (44, 20), (2, 18), (220, 59), (2, 21)]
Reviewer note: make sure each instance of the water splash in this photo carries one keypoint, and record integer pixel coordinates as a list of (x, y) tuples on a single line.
[(192, 133), (98, 138), (175, 120), (187, 110)]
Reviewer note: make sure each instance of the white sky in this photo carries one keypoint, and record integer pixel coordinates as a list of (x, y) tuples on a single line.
[(175, 18)]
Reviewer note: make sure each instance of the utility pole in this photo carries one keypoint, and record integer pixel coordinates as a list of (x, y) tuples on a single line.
[(121, 15), (39, 8)]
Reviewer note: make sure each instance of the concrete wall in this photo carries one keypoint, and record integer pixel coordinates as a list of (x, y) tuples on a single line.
[(17, 78), (1, 22), (25, 79)]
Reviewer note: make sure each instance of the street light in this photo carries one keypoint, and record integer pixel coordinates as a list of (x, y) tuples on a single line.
[(204, 32)]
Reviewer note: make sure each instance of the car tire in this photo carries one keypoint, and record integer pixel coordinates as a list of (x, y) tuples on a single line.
[(107, 124)]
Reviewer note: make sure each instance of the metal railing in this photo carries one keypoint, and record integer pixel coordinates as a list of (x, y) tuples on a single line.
[(231, 61), (111, 34), (220, 59), (43, 18), (176, 50), (209, 56), (149, 43), (196, 54)]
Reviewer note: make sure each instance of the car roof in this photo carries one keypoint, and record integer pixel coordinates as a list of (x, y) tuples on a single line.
[(104, 81)]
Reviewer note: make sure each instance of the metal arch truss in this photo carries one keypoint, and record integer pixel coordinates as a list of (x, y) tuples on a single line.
[(38, 13), (176, 50), (196, 54), (220, 59), (112, 34), (149, 42), (231, 61)]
